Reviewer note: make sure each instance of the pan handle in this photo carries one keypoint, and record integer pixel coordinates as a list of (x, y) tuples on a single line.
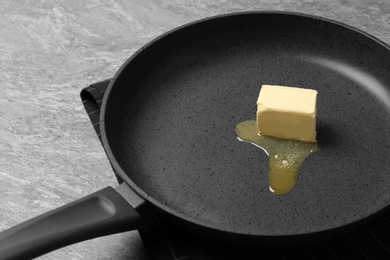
[(102, 213)]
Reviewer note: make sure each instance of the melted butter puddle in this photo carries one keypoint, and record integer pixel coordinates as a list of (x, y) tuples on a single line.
[(285, 156)]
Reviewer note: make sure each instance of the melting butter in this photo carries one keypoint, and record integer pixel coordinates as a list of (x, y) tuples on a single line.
[(285, 156)]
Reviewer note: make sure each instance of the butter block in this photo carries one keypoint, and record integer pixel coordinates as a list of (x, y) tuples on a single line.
[(287, 112)]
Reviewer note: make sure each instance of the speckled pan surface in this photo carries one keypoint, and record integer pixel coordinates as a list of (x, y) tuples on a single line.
[(170, 117)]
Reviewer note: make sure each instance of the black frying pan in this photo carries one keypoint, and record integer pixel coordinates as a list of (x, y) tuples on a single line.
[(168, 127)]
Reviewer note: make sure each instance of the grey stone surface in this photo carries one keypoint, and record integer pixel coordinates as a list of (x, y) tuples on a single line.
[(50, 50)]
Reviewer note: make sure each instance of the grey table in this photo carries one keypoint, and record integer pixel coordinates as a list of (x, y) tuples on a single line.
[(50, 50)]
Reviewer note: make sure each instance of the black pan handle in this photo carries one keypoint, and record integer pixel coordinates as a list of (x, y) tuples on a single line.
[(102, 213)]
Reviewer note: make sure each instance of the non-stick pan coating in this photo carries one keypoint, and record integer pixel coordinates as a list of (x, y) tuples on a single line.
[(169, 123)]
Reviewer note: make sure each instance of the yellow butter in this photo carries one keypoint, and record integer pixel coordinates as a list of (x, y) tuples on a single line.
[(287, 112)]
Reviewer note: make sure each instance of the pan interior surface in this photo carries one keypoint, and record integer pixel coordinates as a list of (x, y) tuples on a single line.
[(170, 118)]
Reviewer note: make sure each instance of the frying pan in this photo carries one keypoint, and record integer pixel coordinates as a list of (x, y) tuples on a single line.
[(168, 127)]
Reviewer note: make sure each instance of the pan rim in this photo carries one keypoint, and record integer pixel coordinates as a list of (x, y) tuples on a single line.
[(169, 210)]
